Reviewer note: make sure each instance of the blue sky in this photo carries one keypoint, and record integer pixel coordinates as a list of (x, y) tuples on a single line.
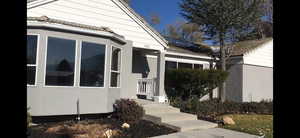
[(168, 10)]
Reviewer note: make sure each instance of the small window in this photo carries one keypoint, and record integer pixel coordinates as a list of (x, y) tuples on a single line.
[(115, 67), (60, 62), (185, 65), (31, 58), (198, 66), (92, 65), (171, 65)]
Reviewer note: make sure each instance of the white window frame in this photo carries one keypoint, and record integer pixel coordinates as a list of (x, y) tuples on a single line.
[(36, 58), (105, 63), (75, 63), (113, 71)]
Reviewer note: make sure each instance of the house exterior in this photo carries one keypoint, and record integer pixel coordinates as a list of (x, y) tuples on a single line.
[(82, 55), (251, 71)]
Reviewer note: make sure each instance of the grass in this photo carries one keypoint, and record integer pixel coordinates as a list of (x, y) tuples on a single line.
[(252, 124)]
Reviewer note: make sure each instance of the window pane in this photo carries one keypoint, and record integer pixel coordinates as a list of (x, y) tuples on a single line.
[(115, 79), (185, 65), (92, 64), (31, 75), (116, 59), (60, 62), (31, 49), (171, 65), (198, 66)]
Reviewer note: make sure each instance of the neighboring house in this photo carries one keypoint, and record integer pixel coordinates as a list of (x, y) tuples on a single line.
[(82, 55), (251, 71)]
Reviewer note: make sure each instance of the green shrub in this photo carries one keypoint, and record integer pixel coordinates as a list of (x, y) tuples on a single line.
[(128, 111), (185, 83), (210, 109)]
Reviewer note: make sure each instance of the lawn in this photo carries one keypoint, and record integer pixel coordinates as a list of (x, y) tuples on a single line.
[(252, 124)]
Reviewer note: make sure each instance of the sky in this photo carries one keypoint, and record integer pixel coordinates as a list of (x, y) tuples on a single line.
[(167, 10)]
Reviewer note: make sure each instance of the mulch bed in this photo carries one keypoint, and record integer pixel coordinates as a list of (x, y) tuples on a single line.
[(97, 128)]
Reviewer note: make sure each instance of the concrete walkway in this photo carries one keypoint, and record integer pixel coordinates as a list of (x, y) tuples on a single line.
[(209, 133), (187, 124)]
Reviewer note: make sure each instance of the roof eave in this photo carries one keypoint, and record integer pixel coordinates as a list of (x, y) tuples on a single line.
[(37, 24)]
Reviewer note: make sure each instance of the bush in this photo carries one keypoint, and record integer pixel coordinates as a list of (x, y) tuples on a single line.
[(185, 83), (128, 111), (210, 109)]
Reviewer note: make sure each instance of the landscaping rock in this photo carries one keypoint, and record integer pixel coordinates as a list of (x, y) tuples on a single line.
[(108, 133), (228, 120), (54, 129), (125, 125)]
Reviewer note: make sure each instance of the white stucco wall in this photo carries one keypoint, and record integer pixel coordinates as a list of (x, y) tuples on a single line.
[(106, 13), (262, 56)]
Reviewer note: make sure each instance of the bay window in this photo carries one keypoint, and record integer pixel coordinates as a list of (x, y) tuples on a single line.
[(115, 67), (31, 57), (92, 64), (60, 62)]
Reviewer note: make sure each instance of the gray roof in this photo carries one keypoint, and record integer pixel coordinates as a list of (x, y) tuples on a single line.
[(73, 24), (177, 49)]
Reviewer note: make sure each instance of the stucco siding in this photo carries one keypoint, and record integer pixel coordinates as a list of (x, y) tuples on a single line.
[(257, 83), (104, 13), (62, 100), (262, 56)]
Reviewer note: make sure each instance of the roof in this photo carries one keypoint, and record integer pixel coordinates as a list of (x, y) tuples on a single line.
[(173, 48), (46, 19), (181, 46), (244, 47)]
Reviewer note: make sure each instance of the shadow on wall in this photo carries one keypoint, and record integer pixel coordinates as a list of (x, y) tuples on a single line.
[(140, 64)]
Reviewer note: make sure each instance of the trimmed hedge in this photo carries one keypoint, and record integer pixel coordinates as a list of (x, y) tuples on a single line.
[(128, 111), (186, 83), (210, 109)]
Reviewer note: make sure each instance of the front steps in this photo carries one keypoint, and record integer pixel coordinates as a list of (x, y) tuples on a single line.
[(172, 117)]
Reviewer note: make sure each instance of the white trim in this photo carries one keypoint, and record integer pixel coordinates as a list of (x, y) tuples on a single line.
[(46, 53), (36, 57), (65, 27), (187, 55), (105, 57), (186, 60), (113, 71), (150, 56)]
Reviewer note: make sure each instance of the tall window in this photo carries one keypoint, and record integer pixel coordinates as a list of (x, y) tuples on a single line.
[(115, 67), (92, 65), (60, 62), (31, 58)]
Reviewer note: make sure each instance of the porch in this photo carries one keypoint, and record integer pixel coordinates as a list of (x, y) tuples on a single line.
[(148, 68)]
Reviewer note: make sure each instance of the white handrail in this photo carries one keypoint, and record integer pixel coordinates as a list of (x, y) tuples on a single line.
[(146, 87)]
